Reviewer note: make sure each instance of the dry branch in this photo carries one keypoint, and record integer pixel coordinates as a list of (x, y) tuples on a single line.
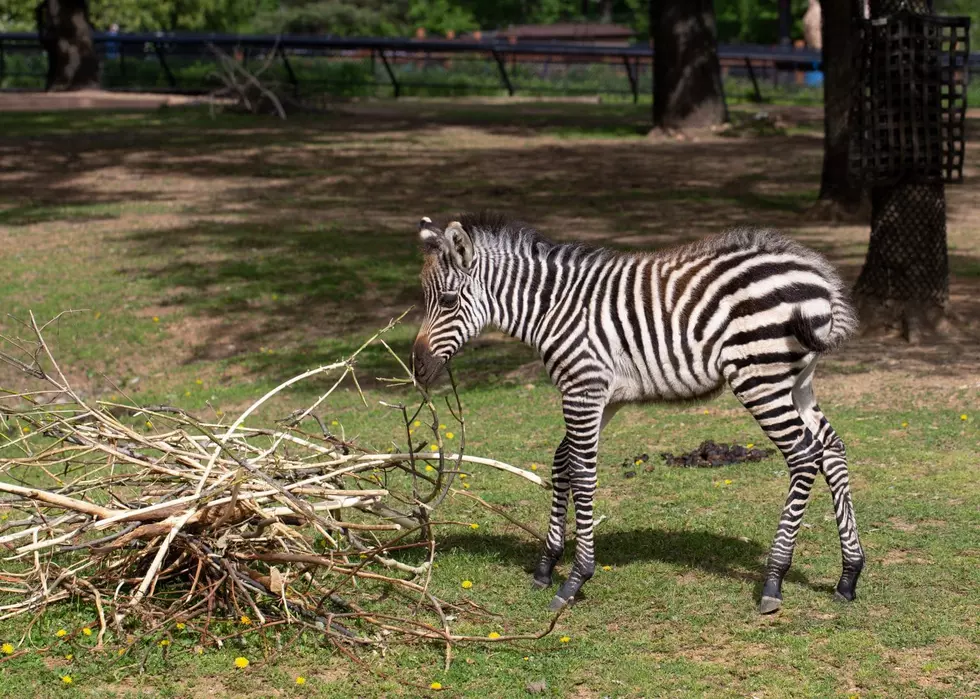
[(195, 519)]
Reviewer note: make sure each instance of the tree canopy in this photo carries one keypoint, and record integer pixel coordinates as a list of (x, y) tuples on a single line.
[(748, 21)]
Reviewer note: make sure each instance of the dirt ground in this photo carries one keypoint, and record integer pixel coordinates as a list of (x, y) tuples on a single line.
[(378, 166)]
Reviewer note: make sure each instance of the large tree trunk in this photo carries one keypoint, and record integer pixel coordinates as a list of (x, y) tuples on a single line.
[(65, 33), (838, 188), (687, 89), (904, 284)]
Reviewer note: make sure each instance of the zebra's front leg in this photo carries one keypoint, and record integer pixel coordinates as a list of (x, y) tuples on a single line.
[(555, 544), (583, 421)]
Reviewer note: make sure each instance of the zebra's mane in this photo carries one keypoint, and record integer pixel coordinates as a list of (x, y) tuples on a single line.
[(494, 230)]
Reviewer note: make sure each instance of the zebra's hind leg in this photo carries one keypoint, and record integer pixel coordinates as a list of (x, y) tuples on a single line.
[(767, 391), (834, 468)]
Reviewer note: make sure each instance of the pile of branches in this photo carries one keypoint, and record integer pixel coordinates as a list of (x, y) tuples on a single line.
[(157, 517)]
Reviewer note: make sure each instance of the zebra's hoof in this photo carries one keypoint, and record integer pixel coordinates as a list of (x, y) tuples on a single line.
[(540, 584), (557, 603), (768, 605), (844, 597)]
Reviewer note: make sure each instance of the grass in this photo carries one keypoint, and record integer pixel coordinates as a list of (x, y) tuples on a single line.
[(238, 252)]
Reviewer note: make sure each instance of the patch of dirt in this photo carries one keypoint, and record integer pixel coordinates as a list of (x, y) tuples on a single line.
[(711, 455)]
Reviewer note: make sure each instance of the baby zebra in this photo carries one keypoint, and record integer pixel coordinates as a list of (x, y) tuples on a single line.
[(747, 307)]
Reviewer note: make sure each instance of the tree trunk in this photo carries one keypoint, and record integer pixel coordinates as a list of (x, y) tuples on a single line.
[(687, 89), (904, 284), (65, 33), (838, 188)]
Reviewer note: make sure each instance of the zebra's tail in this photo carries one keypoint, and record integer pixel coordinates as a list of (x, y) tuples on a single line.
[(843, 324)]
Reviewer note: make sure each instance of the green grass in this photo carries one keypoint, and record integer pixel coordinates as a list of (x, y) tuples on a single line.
[(239, 252)]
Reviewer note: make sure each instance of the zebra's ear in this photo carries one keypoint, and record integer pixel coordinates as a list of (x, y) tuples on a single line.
[(430, 235), (460, 244)]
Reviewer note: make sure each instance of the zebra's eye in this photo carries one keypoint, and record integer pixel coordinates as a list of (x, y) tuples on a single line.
[(448, 300)]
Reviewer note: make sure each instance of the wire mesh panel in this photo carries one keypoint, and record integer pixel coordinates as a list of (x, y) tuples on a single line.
[(911, 104)]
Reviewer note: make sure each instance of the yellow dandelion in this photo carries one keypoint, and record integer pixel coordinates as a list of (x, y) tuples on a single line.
[(434, 447), (187, 394), (199, 650), (98, 314), (474, 526), (199, 382), (466, 486), (905, 424), (749, 445), (450, 435), (607, 568), (442, 427), (241, 663), (87, 631), (527, 657), (637, 462), (564, 639), (436, 686), (964, 417), (428, 467), (66, 679), (464, 475), (181, 626), (707, 412), (300, 680), (149, 425), (417, 423), (245, 620), (27, 430), (534, 467), (165, 642), (727, 482), (334, 423), (219, 413), (156, 319), (70, 656), (61, 633), (493, 634), (7, 649), (121, 651), (467, 584)]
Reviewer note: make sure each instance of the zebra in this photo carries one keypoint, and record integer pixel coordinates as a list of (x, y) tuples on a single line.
[(748, 307)]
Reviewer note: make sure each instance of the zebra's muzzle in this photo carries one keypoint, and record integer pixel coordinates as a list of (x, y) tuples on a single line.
[(425, 365)]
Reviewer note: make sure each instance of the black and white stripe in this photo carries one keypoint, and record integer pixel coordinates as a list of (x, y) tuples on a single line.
[(748, 307)]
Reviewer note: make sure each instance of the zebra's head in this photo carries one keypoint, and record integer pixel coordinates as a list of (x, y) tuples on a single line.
[(455, 304)]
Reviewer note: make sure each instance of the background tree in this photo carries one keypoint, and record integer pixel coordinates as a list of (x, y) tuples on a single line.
[(687, 89), (65, 32), (841, 192)]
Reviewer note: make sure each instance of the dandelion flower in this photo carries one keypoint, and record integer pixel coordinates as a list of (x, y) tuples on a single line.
[(466, 486), (334, 423), (87, 631), (467, 584), (905, 424), (493, 634), (527, 657), (165, 642), (464, 475), (707, 412), (474, 526), (749, 445), (149, 425), (187, 394), (241, 663), (156, 319), (300, 680), (436, 686), (27, 430), (7, 649), (417, 423), (442, 427), (727, 482), (534, 467), (66, 679), (564, 639), (61, 633), (199, 382), (121, 651), (964, 417), (607, 568), (245, 619), (434, 447), (428, 467), (450, 435), (219, 413), (98, 314), (69, 657), (181, 626)]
